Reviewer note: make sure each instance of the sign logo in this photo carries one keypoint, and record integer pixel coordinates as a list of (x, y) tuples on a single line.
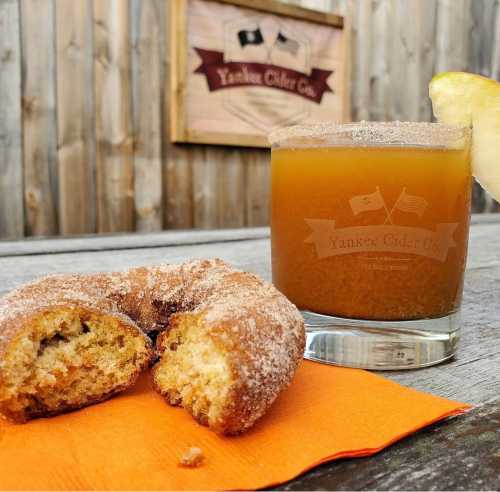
[(225, 75), (387, 237), (268, 57)]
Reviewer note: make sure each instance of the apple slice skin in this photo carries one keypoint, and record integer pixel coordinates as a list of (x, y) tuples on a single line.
[(457, 95), (466, 99)]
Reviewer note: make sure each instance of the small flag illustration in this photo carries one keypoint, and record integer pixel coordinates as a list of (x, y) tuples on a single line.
[(286, 44), (411, 203), (363, 203), (250, 37)]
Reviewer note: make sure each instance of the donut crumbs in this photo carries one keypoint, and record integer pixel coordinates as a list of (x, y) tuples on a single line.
[(192, 458)]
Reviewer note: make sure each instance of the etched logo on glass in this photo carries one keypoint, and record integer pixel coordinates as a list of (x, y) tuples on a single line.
[(330, 240)]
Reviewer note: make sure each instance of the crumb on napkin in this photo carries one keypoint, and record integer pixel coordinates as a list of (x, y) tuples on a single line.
[(192, 458)]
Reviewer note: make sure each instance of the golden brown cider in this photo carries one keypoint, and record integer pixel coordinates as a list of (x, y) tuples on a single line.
[(371, 232)]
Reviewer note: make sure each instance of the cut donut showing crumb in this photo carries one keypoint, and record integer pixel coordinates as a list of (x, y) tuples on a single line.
[(193, 372), (67, 357), (225, 373)]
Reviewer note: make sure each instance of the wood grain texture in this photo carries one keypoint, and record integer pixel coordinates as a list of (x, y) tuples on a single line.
[(39, 117), (204, 165), (178, 188), (459, 454), (75, 118), (495, 61), (147, 183), (453, 26), (177, 45), (258, 187), (413, 27), (114, 138), (360, 42), (380, 48), (427, 33), (177, 168), (482, 35), (147, 38), (346, 8), (107, 242), (11, 165), (231, 189)]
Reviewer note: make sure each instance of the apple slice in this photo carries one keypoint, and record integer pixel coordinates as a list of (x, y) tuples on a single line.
[(467, 99)]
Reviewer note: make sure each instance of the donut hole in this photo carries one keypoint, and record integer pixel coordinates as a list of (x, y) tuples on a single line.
[(67, 357), (193, 372)]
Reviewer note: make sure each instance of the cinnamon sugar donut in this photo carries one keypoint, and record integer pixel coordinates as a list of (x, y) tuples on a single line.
[(228, 342)]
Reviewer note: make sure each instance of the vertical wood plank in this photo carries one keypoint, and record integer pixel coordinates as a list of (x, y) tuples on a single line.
[(39, 119), (231, 188), (381, 40), (396, 101), (495, 56), (427, 18), (204, 165), (482, 35), (413, 26), (346, 8), (453, 27), (147, 38), (114, 140), (361, 41), (75, 117), (403, 63), (177, 166), (258, 186), (177, 185), (11, 177)]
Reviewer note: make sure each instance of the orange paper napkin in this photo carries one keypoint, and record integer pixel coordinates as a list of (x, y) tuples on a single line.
[(134, 441)]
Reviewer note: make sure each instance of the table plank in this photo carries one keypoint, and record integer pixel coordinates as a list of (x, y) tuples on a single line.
[(463, 453), (459, 454), (101, 242), (473, 377)]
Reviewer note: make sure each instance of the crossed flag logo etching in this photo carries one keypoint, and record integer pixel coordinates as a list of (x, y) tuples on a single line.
[(375, 201)]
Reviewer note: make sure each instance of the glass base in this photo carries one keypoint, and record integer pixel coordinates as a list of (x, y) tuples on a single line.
[(381, 345)]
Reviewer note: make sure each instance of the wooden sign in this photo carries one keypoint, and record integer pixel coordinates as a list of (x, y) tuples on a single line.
[(242, 68)]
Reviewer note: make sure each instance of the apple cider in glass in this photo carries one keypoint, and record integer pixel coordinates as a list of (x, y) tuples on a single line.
[(369, 227)]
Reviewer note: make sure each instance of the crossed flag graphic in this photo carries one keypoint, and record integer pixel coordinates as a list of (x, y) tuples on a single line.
[(255, 37), (375, 201)]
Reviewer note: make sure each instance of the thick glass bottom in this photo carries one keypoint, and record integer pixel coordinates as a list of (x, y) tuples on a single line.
[(381, 345)]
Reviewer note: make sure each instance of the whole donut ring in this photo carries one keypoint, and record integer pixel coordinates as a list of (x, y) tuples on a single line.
[(228, 343)]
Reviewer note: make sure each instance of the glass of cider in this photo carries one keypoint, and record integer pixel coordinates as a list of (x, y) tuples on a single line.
[(369, 231)]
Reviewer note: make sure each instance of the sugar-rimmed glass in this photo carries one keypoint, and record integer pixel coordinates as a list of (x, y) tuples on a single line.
[(369, 228)]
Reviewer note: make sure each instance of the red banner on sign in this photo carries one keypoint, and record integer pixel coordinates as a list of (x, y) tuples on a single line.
[(224, 75)]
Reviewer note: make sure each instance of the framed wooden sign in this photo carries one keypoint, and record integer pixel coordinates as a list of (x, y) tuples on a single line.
[(241, 68)]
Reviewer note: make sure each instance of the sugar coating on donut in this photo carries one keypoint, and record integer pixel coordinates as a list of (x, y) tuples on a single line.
[(228, 359), (228, 342)]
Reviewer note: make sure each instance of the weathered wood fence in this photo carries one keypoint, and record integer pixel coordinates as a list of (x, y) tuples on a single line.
[(84, 110)]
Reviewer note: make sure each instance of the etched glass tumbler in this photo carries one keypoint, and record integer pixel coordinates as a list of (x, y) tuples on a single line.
[(369, 230)]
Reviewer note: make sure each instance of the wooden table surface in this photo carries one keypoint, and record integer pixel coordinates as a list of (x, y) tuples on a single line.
[(459, 454)]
